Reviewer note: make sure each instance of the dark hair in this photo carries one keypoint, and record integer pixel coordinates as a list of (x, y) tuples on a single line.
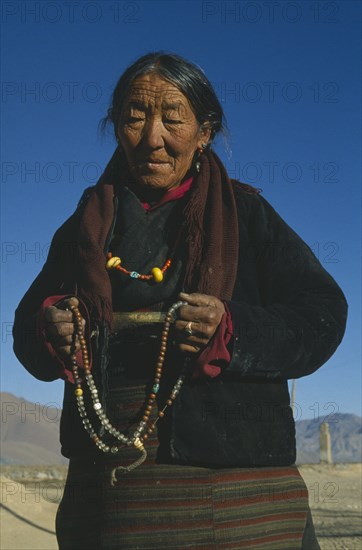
[(183, 74)]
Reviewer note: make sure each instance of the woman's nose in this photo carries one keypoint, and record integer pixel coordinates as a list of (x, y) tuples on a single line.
[(153, 133)]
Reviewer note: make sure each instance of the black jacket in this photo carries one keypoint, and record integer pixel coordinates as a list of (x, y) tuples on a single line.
[(288, 315)]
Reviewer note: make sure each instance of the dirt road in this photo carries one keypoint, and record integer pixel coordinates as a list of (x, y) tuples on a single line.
[(335, 497)]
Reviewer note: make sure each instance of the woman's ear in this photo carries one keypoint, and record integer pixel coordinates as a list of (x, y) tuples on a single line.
[(205, 134)]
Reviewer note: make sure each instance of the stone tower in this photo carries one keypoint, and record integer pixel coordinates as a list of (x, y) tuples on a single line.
[(325, 449)]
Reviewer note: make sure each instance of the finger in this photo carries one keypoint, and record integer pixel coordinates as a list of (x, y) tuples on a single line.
[(200, 331), (196, 338), (189, 348), (201, 315), (66, 351), (184, 326), (68, 303), (198, 299), (62, 310), (61, 341), (60, 329), (56, 315)]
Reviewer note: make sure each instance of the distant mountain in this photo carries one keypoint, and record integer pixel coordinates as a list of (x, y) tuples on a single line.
[(345, 430), (29, 432), (30, 435)]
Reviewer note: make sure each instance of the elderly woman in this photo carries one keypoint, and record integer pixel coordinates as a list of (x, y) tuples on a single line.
[(176, 303)]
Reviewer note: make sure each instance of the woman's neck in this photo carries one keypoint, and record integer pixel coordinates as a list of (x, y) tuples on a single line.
[(145, 193)]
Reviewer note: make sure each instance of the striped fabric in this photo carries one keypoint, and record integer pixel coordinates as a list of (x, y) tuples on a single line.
[(174, 506)]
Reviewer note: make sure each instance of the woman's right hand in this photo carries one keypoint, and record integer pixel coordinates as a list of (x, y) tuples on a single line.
[(60, 327)]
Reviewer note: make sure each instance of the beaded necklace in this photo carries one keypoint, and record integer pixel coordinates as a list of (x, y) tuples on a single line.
[(145, 427), (157, 273)]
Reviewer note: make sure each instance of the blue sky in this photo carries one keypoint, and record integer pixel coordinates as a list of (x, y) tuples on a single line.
[(288, 75)]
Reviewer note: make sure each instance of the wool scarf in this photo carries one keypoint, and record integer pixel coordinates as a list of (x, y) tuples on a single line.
[(211, 236)]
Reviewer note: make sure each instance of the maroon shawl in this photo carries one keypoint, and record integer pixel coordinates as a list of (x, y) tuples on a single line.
[(212, 236)]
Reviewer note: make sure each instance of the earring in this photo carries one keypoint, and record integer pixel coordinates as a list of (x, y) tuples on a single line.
[(203, 147), (198, 166)]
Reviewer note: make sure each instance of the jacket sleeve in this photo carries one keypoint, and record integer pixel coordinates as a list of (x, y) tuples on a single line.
[(29, 345), (302, 316)]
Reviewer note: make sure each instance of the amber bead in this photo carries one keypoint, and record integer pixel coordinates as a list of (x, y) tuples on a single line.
[(157, 274), (113, 262)]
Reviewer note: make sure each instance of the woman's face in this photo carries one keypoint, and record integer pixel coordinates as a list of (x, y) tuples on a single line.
[(159, 133)]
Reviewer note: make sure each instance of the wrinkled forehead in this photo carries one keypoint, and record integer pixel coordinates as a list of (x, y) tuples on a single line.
[(152, 90)]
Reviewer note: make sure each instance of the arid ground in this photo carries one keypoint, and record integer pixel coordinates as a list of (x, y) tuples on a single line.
[(30, 496)]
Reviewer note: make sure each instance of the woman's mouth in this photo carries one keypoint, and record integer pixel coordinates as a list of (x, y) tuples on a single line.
[(153, 164)]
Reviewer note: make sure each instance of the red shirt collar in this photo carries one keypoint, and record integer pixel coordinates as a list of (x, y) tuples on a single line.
[(171, 195)]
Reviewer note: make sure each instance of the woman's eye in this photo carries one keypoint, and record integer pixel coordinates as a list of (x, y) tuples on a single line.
[(172, 121), (134, 119)]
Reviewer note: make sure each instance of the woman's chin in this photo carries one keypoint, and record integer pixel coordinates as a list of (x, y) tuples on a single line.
[(156, 182)]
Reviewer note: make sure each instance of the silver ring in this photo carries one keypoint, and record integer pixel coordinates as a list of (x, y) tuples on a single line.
[(188, 328)]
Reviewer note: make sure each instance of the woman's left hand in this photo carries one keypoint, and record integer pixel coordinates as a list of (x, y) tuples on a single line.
[(197, 321)]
